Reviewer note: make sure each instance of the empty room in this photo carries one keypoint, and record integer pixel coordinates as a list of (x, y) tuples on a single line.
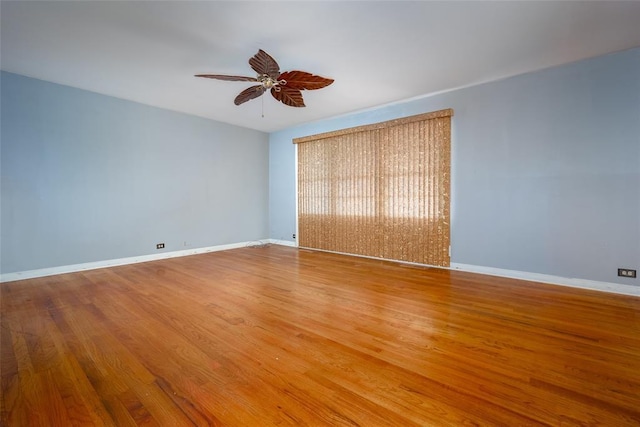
[(331, 213)]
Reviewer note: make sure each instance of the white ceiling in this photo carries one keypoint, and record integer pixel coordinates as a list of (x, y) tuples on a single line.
[(377, 52)]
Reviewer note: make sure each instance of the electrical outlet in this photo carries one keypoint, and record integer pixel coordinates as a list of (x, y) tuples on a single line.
[(294, 235), (160, 246), (627, 272)]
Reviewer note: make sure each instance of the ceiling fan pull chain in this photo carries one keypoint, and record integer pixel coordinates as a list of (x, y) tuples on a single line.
[(263, 107)]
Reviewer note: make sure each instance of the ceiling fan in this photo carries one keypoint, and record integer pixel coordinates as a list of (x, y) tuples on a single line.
[(285, 87)]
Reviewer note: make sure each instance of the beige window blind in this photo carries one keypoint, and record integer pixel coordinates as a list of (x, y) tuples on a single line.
[(380, 190)]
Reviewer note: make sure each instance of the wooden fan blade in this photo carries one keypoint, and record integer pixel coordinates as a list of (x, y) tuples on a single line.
[(290, 97), (262, 63), (249, 93), (303, 80), (228, 78)]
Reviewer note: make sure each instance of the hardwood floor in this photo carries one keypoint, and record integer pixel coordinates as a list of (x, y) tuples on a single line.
[(280, 336)]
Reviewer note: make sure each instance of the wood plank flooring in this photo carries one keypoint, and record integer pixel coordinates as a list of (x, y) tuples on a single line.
[(278, 336)]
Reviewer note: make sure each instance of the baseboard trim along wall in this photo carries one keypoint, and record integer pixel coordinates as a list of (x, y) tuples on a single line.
[(283, 243), (512, 274), (616, 288), (594, 285), (32, 274)]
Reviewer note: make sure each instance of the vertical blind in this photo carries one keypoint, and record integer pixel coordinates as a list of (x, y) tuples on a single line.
[(380, 190)]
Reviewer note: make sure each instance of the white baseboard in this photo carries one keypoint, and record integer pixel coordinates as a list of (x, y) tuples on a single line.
[(283, 243), (617, 288), (31, 274), (513, 274)]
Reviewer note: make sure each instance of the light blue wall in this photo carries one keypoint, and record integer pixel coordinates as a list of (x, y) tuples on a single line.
[(546, 173), (545, 169), (86, 177)]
